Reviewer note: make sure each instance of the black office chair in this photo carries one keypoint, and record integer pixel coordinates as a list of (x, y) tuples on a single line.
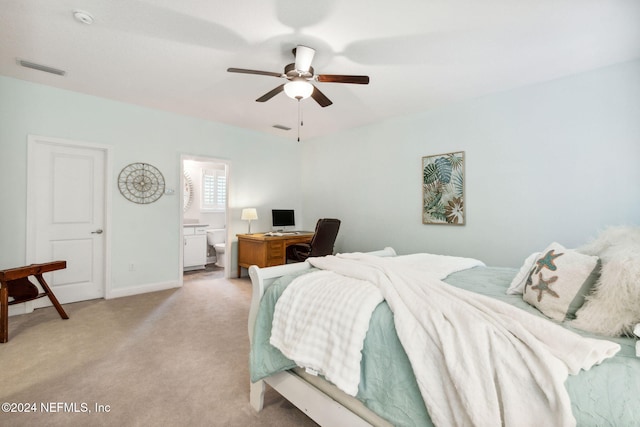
[(321, 243)]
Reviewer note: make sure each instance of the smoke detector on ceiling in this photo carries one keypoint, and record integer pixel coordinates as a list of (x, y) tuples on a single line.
[(83, 17)]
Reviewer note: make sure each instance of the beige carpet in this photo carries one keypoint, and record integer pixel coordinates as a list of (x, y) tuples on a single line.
[(170, 358)]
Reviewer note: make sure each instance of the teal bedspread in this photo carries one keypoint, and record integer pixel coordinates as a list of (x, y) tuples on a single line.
[(606, 395)]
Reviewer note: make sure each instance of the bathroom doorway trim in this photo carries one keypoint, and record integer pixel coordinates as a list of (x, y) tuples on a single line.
[(207, 159)]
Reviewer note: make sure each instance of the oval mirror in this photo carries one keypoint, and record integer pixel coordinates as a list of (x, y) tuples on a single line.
[(187, 192)]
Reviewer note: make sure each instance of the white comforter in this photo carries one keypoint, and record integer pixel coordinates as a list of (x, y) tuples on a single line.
[(477, 361), (320, 322), (321, 319)]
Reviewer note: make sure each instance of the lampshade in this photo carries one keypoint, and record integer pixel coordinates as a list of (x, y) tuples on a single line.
[(298, 89), (249, 214)]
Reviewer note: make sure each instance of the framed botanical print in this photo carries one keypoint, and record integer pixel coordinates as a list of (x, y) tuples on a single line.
[(443, 189)]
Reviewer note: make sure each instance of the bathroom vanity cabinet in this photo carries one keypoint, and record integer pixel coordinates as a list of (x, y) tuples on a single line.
[(195, 247)]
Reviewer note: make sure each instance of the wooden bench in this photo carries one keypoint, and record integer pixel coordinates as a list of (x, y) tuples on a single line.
[(15, 283)]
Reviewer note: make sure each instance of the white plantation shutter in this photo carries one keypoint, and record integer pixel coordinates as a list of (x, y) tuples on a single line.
[(214, 189)]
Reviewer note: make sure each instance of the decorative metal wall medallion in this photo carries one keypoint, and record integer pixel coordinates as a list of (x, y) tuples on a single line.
[(141, 183)]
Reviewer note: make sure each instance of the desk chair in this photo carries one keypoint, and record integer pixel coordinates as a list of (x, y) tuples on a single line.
[(15, 283), (321, 243)]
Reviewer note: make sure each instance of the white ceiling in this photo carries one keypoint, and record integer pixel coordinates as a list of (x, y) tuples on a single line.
[(173, 54)]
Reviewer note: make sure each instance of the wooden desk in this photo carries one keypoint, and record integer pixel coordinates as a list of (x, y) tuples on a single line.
[(266, 251)]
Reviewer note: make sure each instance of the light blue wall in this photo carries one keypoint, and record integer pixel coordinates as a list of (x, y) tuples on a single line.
[(554, 161), (145, 235)]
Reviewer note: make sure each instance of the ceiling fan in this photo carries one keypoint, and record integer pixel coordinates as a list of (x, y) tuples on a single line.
[(299, 75)]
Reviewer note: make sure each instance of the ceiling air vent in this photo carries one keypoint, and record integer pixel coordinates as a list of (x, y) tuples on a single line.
[(41, 67), (281, 127)]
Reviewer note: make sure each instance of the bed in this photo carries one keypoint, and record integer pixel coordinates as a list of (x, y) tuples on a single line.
[(389, 393)]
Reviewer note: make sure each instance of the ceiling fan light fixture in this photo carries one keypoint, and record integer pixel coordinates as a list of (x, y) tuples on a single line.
[(298, 89)]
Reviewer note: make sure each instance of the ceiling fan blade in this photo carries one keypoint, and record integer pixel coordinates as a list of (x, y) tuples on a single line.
[(261, 73), (338, 78), (320, 97), (267, 96), (304, 56)]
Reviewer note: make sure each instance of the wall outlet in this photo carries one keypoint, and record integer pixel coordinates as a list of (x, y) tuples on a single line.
[(132, 267)]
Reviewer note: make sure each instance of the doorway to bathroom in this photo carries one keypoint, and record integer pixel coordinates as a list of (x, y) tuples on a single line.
[(204, 231)]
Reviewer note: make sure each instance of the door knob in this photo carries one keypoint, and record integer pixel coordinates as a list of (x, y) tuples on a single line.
[(98, 231)]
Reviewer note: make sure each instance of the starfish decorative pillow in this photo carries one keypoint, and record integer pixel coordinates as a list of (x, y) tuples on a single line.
[(559, 280)]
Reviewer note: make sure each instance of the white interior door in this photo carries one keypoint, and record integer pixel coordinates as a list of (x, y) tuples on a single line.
[(67, 215)]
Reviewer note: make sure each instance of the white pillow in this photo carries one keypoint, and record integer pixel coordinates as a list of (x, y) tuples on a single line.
[(559, 281), (611, 238), (518, 282), (614, 306)]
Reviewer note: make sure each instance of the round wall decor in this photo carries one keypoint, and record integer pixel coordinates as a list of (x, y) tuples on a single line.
[(141, 183)]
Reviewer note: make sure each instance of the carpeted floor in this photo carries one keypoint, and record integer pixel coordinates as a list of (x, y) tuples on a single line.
[(170, 358)]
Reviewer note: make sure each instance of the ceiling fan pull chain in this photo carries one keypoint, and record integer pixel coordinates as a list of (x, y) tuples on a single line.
[(300, 123)]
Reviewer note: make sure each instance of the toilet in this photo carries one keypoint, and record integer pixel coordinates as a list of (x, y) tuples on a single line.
[(216, 238)]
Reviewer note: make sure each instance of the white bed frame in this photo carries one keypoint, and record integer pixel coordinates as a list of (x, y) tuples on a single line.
[(318, 405)]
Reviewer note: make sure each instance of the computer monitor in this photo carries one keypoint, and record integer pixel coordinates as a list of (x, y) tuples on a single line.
[(281, 218)]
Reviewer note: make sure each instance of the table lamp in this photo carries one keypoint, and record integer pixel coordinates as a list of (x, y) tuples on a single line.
[(249, 214)]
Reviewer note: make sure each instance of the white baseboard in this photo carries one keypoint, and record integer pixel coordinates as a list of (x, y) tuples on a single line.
[(27, 307), (18, 309), (141, 289)]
